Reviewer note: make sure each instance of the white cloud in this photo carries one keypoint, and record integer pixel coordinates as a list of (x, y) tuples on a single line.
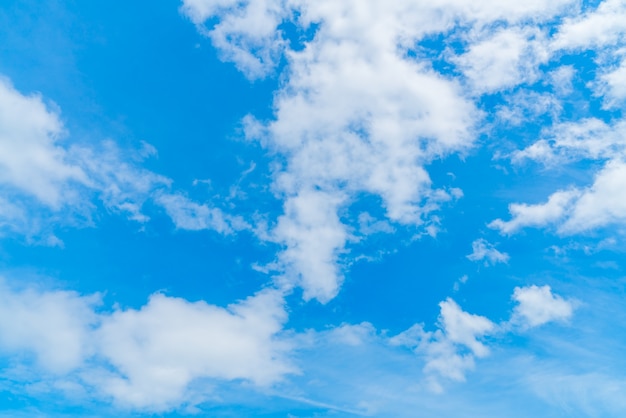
[(561, 79), (538, 306), (50, 326), (46, 180), (247, 32), (449, 352), (571, 141), (314, 237), (602, 204), (525, 105), (483, 250), (356, 115), (120, 183), (539, 215), (584, 208), (503, 59), (32, 160), (575, 210), (146, 358), (612, 86), (161, 348), (190, 215), (596, 28)]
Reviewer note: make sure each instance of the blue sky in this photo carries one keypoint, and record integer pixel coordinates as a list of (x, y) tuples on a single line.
[(296, 208)]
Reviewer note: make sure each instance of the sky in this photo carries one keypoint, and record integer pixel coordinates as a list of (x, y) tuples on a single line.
[(312, 208)]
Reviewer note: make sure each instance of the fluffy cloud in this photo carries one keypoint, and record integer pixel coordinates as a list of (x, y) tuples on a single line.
[(538, 306), (539, 215), (46, 179), (572, 141), (247, 33), (172, 352), (32, 160), (361, 112), (576, 209), (355, 116), (504, 59), (483, 250), (596, 28), (145, 358), (449, 352), (161, 348), (612, 86), (50, 326)]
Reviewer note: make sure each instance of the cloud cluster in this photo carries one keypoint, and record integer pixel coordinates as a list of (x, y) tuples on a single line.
[(483, 250), (146, 358), (537, 306), (48, 178), (577, 209), (360, 112), (450, 351), (170, 352)]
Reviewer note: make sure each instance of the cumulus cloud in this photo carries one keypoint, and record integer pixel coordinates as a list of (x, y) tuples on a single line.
[(360, 112), (46, 179), (146, 358), (596, 28), (247, 32), (32, 160), (449, 352), (49, 326), (538, 215), (565, 142), (576, 210), (538, 306), (483, 250), (504, 59), (171, 352), (161, 348), (612, 86)]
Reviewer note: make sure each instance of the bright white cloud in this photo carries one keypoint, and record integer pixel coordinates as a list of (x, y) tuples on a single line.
[(32, 160), (538, 306), (247, 32), (539, 215), (612, 86), (503, 59), (601, 204), (50, 326), (576, 209), (449, 352), (572, 141), (483, 250), (46, 180), (596, 28), (161, 348), (357, 114), (314, 237), (145, 358)]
